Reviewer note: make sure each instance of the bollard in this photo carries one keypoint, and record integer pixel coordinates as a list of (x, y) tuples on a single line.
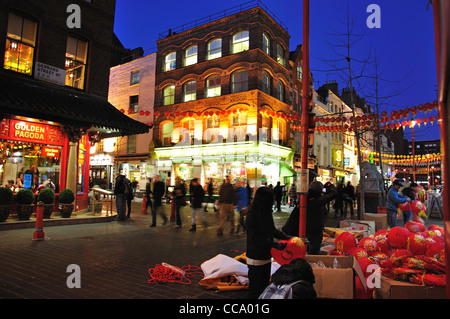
[(39, 228), (144, 206)]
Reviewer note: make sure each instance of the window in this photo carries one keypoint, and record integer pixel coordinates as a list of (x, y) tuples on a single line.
[(280, 54), (280, 91), (239, 119), (213, 86), (214, 49), (170, 61), (20, 44), (135, 77), (213, 122), (266, 44), (265, 126), (76, 55), (131, 144), (189, 125), (134, 104), (167, 130), (299, 71), (190, 56), (169, 95), (190, 91), (278, 131), (239, 81), (240, 42), (266, 82)]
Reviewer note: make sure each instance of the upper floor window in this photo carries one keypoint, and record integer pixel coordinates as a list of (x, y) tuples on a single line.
[(76, 58), (190, 91), (266, 44), (266, 82), (299, 71), (169, 95), (280, 91), (239, 81), (135, 77), (190, 55), (240, 42), (166, 133), (170, 61), (20, 44), (213, 86), (131, 144), (214, 49), (280, 54)]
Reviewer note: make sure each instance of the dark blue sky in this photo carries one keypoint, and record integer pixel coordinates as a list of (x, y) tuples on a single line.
[(404, 45)]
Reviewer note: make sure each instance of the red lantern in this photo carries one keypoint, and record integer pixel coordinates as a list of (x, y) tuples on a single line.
[(295, 248), (190, 114), (122, 110), (397, 237), (344, 242), (369, 245), (157, 113), (357, 252), (416, 244), (384, 114), (404, 207), (130, 111), (425, 120), (147, 113), (141, 112), (417, 207), (167, 113)]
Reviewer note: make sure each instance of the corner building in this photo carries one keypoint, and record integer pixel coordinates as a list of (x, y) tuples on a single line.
[(223, 101)]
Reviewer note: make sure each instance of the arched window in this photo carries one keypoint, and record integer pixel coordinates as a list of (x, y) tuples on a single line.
[(166, 133), (170, 61), (212, 121), (190, 55), (213, 86), (266, 80), (190, 91), (279, 129), (239, 81), (169, 95), (280, 90), (266, 43), (240, 42), (214, 49), (280, 54)]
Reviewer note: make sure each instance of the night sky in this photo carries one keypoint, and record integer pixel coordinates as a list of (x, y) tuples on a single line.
[(404, 45)]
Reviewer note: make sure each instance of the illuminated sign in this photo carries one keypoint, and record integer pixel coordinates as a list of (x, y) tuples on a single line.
[(50, 152), (32, 132), (338, 156), (339, 173)]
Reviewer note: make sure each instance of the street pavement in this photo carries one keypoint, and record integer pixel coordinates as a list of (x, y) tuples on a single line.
[(114, 258)]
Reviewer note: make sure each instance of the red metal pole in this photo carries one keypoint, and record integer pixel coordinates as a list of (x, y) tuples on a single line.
[(443, 115), (39, 228), (305, 120), (144, 206)]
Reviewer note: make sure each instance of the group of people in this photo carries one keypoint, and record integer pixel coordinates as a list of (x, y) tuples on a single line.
[(345, 199), (394, 198)]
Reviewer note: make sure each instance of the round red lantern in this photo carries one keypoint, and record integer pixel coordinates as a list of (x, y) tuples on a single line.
[(147, 113), (417, 206), (404, 207), (414, 227), (384, 114), (369, 245), (399, 255), (344, 242), (167, 113), (157, 113), (141, 112), (433, 247), (398, 237), (357, 252), (295, 248), (416, 244)]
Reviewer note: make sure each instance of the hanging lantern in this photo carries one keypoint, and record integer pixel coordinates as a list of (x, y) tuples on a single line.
[(157, 113), (425, 120), (147, 113), (191, 114), (167, 113), (177, 114), (432, 119), (141, 113), (199, 113), (384, 114), (183, 114)]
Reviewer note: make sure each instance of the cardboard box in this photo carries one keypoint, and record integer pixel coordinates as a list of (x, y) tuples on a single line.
[(379, 219), (335, 283), (396, 289)]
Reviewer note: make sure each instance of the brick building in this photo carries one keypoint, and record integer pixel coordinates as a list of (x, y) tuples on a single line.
[(54, 88), (224, 100)]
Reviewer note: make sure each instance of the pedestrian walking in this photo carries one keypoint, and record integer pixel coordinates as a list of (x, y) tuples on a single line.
[(261, 232), (227, 200), (119, 192), (210, 198), (349, 198), (148, 195), (393, 199), (197, 194), (129, 194), (179, 195), (278, 194), (315, 215), (241, 205), (292, 195), (159, 189), (339, 201)]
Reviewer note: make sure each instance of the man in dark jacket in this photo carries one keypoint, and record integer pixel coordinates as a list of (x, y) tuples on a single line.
[(278, 194), (197, 193), (159, 189), (119, 190), (315, 216), (226, 205)]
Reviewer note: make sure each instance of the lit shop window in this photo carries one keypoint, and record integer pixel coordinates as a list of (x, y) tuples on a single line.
[(213, 86), (190, 91), (20, 44), (170, 61), (240, 42), (190, 55), (214, 49), (169, 95), (239, 81), (76, 56)]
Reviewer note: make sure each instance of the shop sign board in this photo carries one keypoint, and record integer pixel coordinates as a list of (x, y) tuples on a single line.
[(31, 132), (49, 73)]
